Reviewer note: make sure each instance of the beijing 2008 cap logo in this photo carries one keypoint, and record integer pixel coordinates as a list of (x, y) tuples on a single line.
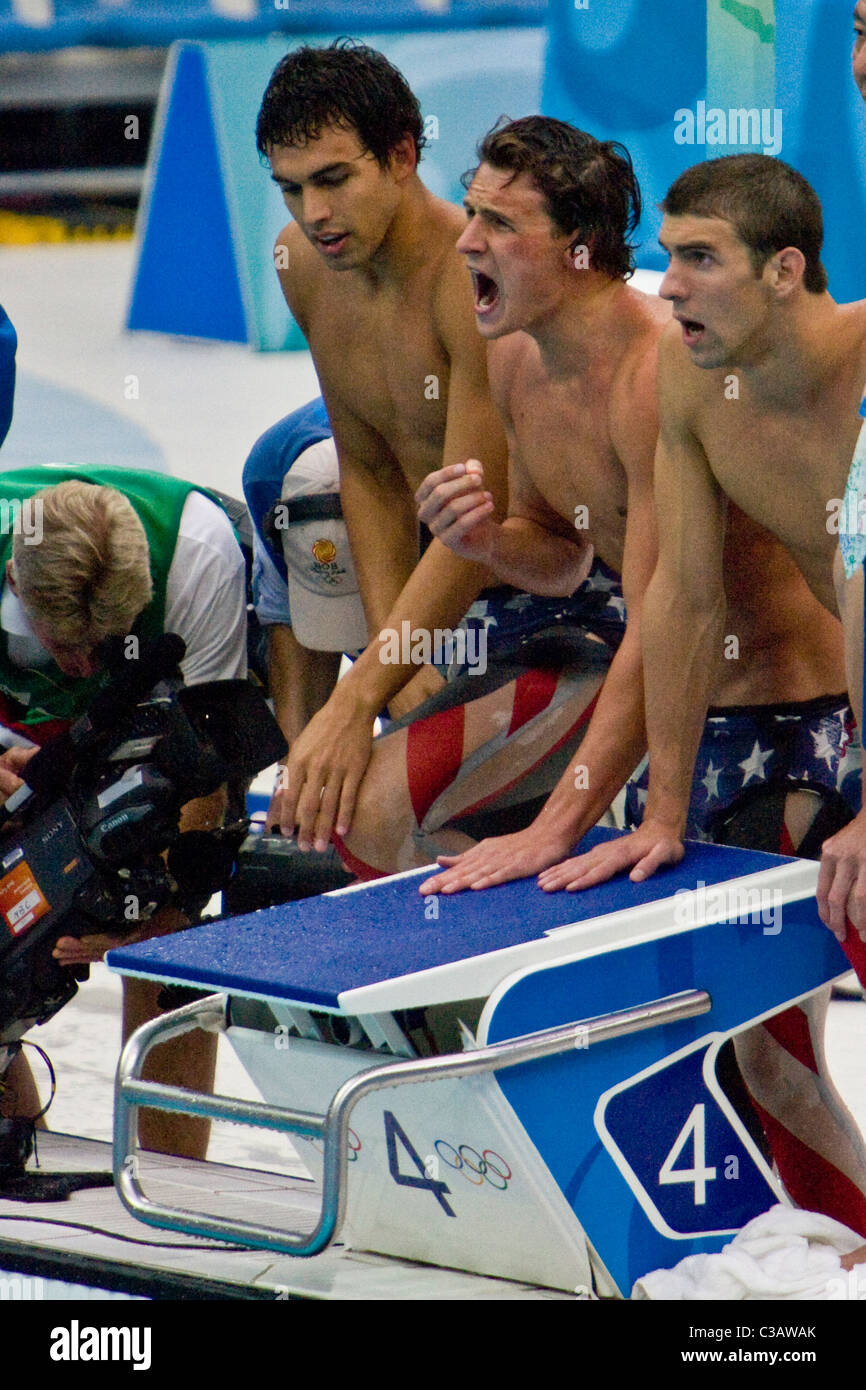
[(325, 551)]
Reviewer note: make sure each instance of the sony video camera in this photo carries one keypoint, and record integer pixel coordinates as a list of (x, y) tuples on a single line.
[(82, 844)]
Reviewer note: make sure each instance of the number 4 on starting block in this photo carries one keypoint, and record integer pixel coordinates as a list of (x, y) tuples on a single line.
[(655, 1122)]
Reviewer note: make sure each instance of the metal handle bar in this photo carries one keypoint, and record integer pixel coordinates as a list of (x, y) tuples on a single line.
[(131, 1093)]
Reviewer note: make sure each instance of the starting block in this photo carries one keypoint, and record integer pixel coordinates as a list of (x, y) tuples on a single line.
[(578, 1140)]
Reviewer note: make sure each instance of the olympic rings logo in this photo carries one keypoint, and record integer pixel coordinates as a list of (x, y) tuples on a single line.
[(475, 1167), (355, 1145)]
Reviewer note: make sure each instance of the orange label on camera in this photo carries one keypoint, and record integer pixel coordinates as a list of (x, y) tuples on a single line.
[(21, 900)]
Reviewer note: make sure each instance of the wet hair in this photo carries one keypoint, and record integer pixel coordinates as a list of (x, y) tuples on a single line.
[(90, 575), (769, 205), (346, 84), (589, 185)]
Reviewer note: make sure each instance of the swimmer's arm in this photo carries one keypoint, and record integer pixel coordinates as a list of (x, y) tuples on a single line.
[(615, 740), (537, 549), (378, 509), (534, 548), (611, 747), (684, 609), (299, 680), (328, 758), (328, 761), (681, 630)]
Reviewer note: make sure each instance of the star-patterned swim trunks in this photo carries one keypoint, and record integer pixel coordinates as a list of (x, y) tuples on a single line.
[(511, 620), (748, 746)]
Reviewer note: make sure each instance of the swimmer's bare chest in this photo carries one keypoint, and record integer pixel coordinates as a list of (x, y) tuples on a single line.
[(379, 358), (564, 447), (783, 470)]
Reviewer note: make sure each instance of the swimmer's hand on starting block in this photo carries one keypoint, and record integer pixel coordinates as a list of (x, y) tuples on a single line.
[(535, 851), (498, 860), (643, 851), (841, 890), (457, 508)]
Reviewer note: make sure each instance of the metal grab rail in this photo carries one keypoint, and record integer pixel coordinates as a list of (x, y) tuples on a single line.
[(131, 1092)]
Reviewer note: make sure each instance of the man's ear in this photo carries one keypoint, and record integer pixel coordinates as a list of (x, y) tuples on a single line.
[(10, 576), (403, 158), (786, 269)]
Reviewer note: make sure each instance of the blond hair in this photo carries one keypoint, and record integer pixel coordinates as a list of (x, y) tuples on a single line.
[(89, 576)]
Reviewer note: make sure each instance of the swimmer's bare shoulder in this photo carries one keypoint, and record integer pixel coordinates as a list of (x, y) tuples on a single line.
[(513, 365), (846, 333), (299, 271), (682, 387), (633, 403)]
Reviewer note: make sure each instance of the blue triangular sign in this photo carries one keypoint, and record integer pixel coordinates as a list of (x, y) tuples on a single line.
[(187, 280)]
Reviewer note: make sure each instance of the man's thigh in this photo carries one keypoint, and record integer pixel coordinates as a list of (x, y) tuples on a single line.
[(477, 759)]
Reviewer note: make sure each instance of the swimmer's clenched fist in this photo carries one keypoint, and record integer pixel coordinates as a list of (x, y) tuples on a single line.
[(454, 504), (457, 508)]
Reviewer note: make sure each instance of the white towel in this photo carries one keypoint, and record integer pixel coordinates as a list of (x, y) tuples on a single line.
[(783, 1253)]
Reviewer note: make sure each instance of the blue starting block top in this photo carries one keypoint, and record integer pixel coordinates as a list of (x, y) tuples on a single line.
[(382, 946)]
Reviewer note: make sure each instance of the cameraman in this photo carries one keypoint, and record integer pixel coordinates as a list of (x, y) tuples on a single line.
[(96, 552)]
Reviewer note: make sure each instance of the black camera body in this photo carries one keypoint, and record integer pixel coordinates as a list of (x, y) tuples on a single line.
[(83, 847)]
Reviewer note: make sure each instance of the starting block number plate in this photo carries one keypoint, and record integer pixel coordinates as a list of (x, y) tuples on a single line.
[(679, 1152)]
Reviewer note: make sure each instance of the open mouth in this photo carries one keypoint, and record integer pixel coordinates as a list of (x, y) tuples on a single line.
[(692, 330), (486, 292), (331, 242)]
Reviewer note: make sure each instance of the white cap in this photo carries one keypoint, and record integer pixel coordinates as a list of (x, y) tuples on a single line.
[(324, 602)]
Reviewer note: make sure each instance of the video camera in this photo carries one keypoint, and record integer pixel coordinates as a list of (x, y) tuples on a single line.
[(82, 843)]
